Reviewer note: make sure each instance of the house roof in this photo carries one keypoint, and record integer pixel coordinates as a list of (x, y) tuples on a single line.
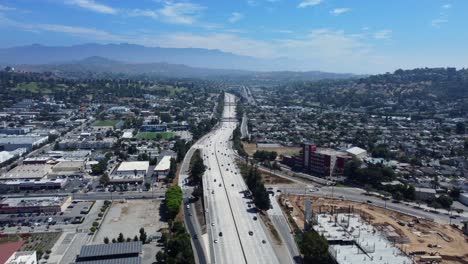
[(8, 249)]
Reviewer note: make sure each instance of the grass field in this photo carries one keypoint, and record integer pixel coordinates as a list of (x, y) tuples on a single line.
[(32, 87), (104, 123), (156, 135)]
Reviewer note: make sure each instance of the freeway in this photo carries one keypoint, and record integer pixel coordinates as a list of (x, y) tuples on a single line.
[(236, 234), (357, 195)]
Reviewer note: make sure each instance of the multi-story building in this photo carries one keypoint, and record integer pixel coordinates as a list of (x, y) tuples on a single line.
[(324, 161)]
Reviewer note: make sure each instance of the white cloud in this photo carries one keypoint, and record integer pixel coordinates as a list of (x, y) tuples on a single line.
[(447, 6), (144, 13), (438, 22), (6, 8), (93, 6), (181, 13), (235, 16), (339, 11), (307, 3), (383, 34)]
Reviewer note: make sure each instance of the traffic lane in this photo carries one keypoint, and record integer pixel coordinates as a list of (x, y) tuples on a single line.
[(223, 218), (255, 248)]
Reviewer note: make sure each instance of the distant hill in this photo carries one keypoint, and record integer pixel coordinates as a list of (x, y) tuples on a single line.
[(170, 61), (130, 53), (96, 67)]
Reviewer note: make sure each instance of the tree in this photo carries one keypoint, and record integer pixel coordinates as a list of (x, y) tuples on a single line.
[(197, 168), (445, 201), (173, 200), (398, 196), (106, 240), (114, 240), (120, 238), (165, 117), (135, 238), (143, 236), (104, 180), (262, 198), (455, 192), (172, 169), (314, 248), (160, 257)]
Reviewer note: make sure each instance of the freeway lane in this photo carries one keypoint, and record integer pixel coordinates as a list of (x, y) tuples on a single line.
[(243, 238)]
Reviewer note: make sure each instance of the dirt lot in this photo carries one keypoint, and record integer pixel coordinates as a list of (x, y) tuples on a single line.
[(287, 151), (452, 244), (128, 217)]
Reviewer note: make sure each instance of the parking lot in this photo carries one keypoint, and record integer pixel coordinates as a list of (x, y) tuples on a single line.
[(128, 217), (74, 214)]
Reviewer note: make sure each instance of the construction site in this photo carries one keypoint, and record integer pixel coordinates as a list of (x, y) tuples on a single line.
[(363, 233)]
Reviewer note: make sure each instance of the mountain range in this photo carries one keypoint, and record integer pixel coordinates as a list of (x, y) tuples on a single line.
[(137, 59)]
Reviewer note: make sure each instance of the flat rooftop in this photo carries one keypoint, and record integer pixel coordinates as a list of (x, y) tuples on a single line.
[(30, 171), (331, 152), (365, 244), (34, 201), (164, 164), (133, 165), (20, 139)]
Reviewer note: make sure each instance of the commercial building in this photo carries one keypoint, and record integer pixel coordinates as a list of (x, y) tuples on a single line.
[(10, 143), (115, 253), (29, 171), (130, 172), (352, 240), (162, 169), (24, 185), (67, 167), (23, 257), (153, 128), (425, 194), (324, 161), (105, 143), (463, 198), (9, 155), (15, 130), (357, 152), (34, 205), (118, 110)]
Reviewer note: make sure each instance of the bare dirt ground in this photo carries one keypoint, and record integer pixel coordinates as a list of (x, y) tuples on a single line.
[(127, 218), (286, 151), (452, 243)]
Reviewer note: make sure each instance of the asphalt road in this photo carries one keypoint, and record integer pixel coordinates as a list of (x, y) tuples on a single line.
[(281, 224), (236, 234)]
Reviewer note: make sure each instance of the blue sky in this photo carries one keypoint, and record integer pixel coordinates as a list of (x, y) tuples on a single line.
[(359, 36)]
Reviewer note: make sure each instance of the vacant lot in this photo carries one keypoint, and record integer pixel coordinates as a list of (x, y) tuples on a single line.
[(286, 151), (156, 135), (451, 241), (128, 217), (104, 123)]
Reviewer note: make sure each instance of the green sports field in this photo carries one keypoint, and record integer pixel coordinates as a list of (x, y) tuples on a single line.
[(155, 135)]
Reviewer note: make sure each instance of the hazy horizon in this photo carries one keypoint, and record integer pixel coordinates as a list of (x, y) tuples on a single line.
[(365, 37)]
